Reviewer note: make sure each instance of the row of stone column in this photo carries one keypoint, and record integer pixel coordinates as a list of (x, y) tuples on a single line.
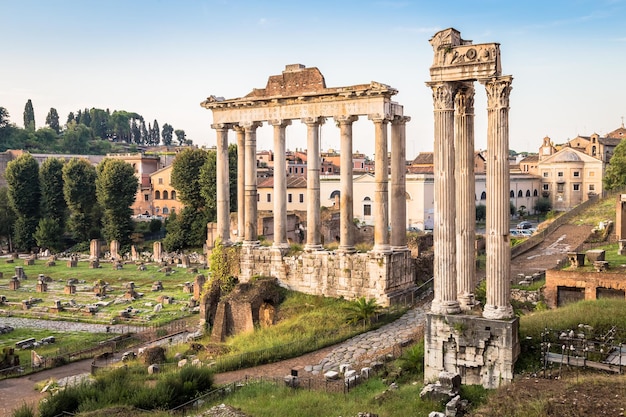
[(384, 240), (455, 211)]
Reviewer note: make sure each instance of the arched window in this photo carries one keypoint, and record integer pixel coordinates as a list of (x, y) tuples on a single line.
[(520, 193), (535, 193), (173, 197), (483, 196), (164, 194), (157, 195), (527, 193), (593, 151), (334, 194), (512, 194), (173, 210), (165, 210), (157, 210)]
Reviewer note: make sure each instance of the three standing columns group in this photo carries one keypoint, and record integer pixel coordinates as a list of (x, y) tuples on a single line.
[(384, 239), (455, 209)]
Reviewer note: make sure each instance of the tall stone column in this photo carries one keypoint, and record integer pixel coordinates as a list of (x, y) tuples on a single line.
[(223, 184), (251, 231), (346, 203), (241, 178), (465, 196), (498, 305), (280, 184), (381, 180), (398, 183), (445, 293), (313, 218)]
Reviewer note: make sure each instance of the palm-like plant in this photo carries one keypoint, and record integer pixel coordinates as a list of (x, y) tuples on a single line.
[(362, 310)]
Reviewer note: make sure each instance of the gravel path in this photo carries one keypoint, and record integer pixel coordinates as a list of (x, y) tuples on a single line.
[(67, 326)]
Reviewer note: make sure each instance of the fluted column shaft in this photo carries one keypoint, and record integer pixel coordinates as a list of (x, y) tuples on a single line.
[(445, 293), (313, 218), (498, 305), (346, 202), (381, 190), (398, 183), (223, 183), (241, 178), (280, 184), (465, 195), (251, 230)]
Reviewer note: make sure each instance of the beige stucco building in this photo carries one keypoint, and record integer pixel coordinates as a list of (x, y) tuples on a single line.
[(163, 198)]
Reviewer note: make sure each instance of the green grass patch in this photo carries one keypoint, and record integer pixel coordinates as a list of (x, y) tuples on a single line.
[(268, 400)]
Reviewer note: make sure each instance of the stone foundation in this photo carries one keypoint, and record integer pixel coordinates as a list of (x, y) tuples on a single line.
[(384, 277), (482, 351)]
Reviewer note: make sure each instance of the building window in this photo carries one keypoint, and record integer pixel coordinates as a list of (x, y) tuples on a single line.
[(527, 193), (535, 193), (173, 210), (592, 187), (483, 195), (289, 198), (157, 210), (258, 198), (173, 196), (157, 195), (560, 174), (367, 209), (146, 197), (302, 198), (165, 195), (546, 187), (160, 180), (576, 173), (545, 174), (165, 210), (592, 173), (560, 187), (576, 187), (269, 198), (520, 193), (512, 194)]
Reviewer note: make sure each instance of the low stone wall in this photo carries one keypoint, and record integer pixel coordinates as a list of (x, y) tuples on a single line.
[(384, 277)]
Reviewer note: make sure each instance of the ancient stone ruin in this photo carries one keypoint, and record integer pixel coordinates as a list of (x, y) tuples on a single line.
[(482, 350)]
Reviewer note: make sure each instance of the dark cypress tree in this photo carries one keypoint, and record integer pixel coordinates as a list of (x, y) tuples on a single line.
[(29, 116), (52, 120)]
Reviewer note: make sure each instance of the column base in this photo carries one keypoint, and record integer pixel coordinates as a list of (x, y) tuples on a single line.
[(445, 307), (382, 248), (346, 249), (313, 248), (498, 312), (400, 248), (467, 302)]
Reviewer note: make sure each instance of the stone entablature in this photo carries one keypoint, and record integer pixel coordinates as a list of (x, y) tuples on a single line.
[(587, 282), (384, 277)]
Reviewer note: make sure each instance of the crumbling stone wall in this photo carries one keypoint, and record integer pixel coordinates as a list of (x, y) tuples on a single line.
[(589, 281)]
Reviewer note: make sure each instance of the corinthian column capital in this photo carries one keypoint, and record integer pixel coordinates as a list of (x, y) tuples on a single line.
[(279, 122), (443, 95), (400, 120), (313, 120), (221, 126), (251, 126), (345, 119), (498, 91)]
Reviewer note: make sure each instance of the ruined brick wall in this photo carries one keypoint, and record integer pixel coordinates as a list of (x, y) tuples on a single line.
[(589, 281)]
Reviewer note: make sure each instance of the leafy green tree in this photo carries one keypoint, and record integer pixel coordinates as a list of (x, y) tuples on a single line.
[(175, 238), (543, 205), (6, 130), (99, 123), (166, 133), (48, 235), (186, 170), (52, 120), (116, 189), (86, 118), (46, 138), (22, 175), (155, 134), (185, 229), (615, 175), (7, 217), (135, 131), (76, 138), (29, 116), (79, 190), (53, 204), (180, 136), (481, 213), (70, 118)]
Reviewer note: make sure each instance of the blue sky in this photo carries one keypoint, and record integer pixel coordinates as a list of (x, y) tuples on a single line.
[(162, 58)]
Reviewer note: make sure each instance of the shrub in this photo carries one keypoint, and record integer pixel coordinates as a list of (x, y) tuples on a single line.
[(412, 360), (25, 410)]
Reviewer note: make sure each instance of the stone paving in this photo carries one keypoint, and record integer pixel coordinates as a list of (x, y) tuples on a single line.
[(367, 347), (67, 326)]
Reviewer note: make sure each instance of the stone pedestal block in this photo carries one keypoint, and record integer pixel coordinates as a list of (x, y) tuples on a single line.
[(69, 289), (576, 259), (482, 351), (14, 284)]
